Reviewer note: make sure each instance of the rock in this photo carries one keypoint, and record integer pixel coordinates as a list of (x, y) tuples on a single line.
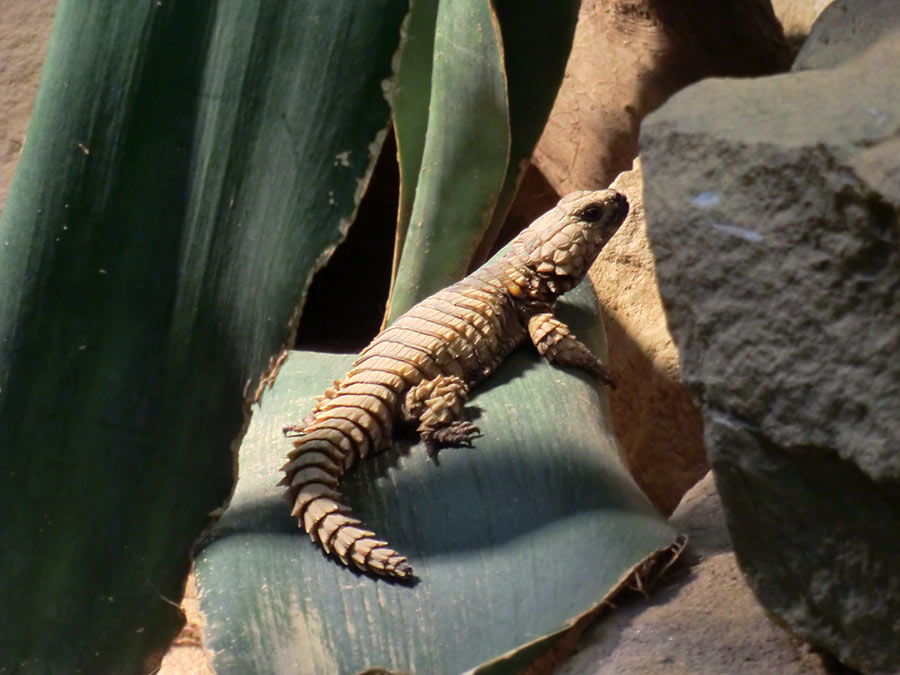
[(797, 16), (817, 539), (186, 654), (627, 58), (845, 31), (24, 31), (656, 422), (701, 517), (703, 621), (772, 208)]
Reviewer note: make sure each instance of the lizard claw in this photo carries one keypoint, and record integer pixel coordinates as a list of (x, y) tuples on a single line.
[(458, 433), (298, 429), (607, 377), (290, 430)]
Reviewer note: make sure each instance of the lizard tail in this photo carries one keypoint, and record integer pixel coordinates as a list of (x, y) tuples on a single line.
[(314, 468)]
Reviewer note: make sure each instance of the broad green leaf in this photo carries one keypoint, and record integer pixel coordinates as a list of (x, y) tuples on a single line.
[(465, 153), (188, 166), (512, 540), (537, 39)]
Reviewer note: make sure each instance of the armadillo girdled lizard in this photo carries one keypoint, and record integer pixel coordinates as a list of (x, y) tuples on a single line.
[(421, 368)]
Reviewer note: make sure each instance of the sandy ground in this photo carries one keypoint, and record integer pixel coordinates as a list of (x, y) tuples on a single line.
[(186, 654), (24, 31)]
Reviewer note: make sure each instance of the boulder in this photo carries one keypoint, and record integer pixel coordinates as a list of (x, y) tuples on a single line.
[(772, 208), (627, 58)]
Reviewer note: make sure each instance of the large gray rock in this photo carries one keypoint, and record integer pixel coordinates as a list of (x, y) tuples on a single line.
[(772, 208)]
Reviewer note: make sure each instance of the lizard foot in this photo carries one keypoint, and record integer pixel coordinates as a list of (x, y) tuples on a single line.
[(459, 433), (555, 341), (293, 430)]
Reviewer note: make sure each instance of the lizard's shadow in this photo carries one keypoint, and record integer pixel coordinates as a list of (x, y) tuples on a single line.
[(515, 366)]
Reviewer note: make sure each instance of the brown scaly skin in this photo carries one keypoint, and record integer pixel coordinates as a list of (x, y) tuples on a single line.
[(422, 366)]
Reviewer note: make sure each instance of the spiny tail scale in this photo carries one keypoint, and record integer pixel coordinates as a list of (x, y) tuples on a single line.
[(348, 424)]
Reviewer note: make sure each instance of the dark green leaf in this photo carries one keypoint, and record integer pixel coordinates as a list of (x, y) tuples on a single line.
[(465, 153), (537, 38), (189, 165), (410, 100)]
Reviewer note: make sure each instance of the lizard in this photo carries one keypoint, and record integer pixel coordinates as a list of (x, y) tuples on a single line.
[(422, 366)]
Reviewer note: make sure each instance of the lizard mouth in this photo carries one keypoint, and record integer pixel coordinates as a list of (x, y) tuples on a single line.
[(620, 204)]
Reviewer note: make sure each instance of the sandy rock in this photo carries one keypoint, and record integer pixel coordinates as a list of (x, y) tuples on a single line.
[(24, 32), (772, 208), (703, 621), (628, 58), (797, 16), (186, 655), (656, 422), (701, 517)]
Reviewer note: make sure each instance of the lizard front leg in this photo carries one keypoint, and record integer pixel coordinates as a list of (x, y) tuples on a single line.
[(438, 406), (555, 341)]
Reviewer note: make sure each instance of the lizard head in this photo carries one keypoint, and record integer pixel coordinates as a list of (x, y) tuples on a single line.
[(560, 246)]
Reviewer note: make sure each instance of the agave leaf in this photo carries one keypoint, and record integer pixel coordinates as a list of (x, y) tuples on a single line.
[(486, 108), (511, 540), (187, 168), (465, 154), (410, 102), (537, 39)]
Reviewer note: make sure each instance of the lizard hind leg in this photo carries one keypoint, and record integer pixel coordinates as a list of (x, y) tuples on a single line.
[(438, 405)]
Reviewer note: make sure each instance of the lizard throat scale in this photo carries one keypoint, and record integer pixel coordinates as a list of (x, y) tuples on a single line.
[(420, 369)]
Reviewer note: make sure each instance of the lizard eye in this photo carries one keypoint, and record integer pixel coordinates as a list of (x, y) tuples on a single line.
[(591, 213)]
